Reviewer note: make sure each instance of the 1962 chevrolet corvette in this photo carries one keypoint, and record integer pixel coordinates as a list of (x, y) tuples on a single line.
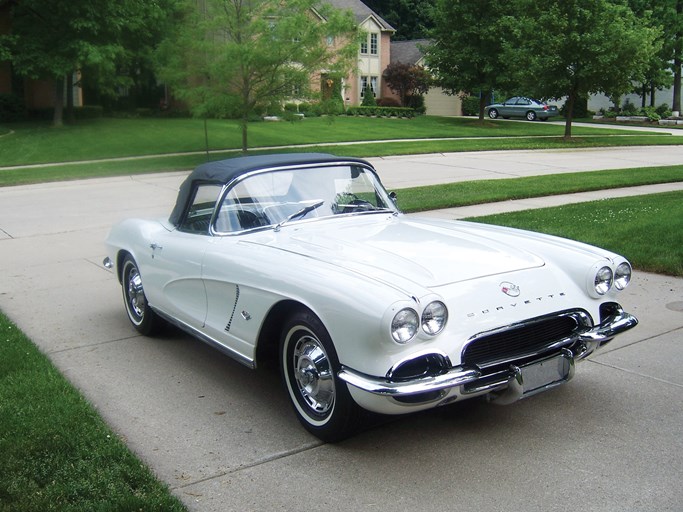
[(306, 258)]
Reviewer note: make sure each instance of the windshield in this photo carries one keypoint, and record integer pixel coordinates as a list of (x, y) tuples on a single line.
[(274, 198)]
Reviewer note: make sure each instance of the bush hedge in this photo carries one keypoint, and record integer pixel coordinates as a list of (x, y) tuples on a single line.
[(381, 111), (12, 108)]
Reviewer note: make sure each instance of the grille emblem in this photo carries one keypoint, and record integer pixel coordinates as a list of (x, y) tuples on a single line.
[(510, 289)]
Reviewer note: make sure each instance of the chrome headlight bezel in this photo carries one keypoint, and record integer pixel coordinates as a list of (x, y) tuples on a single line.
[(434, 318), (405, 325), (622, 275), (603, 280)]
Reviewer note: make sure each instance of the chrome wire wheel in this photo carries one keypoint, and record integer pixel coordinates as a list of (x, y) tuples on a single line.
[(139, 313), (309, 367), (135, 295), (313, 375)]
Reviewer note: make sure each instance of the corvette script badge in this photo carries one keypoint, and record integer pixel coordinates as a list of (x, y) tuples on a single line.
[(510, 289)]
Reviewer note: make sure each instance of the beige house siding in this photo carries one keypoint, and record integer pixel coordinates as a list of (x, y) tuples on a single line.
[(438, 103)]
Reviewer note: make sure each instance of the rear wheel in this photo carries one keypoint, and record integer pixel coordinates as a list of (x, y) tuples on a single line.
[(493, 113), (309, 367), (140, 314), (531, 115)]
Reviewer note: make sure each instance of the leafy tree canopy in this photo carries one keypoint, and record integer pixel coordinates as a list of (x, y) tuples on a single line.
[(406, 80), (411, 18), (235, 57), (51, 40), (467, 45), (574, 48)]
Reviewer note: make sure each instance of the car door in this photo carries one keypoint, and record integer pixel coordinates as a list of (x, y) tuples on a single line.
[(173, 278), (522, 107), (508, 107)]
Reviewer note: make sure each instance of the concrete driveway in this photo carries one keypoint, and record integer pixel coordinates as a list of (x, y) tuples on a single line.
[(223, 437)]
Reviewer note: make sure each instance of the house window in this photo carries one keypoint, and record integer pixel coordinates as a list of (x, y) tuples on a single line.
[(373, 44), (364, 82)]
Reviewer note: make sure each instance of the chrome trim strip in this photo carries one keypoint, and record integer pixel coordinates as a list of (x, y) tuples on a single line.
[(614, 324), (586, 344), (240, 358), (379, 386)]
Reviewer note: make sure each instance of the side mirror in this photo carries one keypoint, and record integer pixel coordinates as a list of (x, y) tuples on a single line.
[(393, 197)]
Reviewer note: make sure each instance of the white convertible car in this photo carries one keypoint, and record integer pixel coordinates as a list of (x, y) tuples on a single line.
[(305, 258)]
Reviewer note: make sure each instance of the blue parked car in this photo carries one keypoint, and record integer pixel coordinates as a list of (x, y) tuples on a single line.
[(519, 106)]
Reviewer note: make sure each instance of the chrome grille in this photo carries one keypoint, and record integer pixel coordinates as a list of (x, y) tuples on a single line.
[(524, 340)]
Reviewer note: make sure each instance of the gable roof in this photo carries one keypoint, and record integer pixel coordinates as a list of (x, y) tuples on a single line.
[(362, 12), (408, 52)]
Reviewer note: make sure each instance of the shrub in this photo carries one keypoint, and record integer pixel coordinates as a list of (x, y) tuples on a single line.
[(628, 108), (96, 111), (417, 103), (369, 97), (663, 110), (332, 107), (381, 111), (470, 106), (12, 108), (388, 102), (651, 114)]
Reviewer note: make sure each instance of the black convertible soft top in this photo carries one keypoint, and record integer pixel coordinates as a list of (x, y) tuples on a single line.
[(224, 171)]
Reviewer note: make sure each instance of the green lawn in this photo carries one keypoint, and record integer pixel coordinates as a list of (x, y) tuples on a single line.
[(57, 453), (111, 138), (648, 230), (452, 195)]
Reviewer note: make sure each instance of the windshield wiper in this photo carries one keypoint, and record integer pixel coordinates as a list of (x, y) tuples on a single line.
[(300, 213)]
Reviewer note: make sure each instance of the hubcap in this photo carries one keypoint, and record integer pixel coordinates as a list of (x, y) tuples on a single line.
[(136, 295), (313, 375)]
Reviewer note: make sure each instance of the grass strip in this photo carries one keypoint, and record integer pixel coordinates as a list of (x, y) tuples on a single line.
[(648, 230), (452, 195), (165, 163), (57, 453), (31, 143)]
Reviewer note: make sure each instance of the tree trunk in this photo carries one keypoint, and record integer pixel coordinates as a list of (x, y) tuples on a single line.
[(245, 127), (482, 105), (643, 99), (678, 59), (70, 118), (58, 117), (569, 110), (652, 94)]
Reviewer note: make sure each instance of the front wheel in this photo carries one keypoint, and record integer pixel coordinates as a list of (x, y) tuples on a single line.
[(531, 115), (309, 368), (140, 314), (493, 113)]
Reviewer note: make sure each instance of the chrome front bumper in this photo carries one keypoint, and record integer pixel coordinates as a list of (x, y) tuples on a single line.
[(510, 381)]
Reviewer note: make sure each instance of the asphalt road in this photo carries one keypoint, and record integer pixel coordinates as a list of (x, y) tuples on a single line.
[(224, 438)]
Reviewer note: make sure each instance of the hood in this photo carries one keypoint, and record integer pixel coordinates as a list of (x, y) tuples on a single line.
[(401, 248)]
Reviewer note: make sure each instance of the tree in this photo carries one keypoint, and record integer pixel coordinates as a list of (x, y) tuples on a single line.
[(677, 60), (467, 44), (574, 48), (411, 18), (51, 40), (235, 57), (406, 80)]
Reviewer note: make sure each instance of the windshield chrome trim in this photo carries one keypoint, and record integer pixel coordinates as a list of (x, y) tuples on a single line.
[(341, 163)]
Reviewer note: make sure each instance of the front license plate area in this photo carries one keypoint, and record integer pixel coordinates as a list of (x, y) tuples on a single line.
[(546, 374)]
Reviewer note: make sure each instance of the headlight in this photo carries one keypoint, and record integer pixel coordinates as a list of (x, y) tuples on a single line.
[(404, 325), (434, 318), (622, 276), (603, 280)]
